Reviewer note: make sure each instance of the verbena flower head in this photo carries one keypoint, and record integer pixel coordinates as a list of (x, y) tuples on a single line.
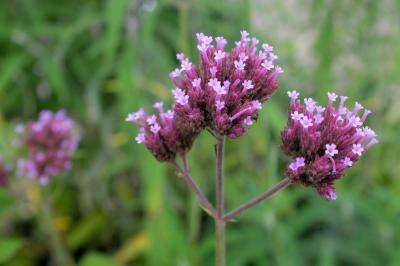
[(51, 143), (223, 94), (324, 141), (164, 135), (228, 87)]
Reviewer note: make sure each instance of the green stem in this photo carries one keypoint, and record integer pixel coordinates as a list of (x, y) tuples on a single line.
[(220, 243), (220, 204), (59, 254), (201, 197), (281, 185)]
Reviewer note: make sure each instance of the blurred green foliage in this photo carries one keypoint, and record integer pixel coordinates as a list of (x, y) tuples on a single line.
[(103, 59)]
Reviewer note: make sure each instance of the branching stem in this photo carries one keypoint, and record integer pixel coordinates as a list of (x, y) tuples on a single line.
[(284, 183), (201, 197)]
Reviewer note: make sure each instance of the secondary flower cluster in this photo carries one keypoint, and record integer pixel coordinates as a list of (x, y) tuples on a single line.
[(161, 135), (51, 143), (324, 141), (223, 94)]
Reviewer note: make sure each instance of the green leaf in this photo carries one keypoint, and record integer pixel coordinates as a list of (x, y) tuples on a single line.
[(6, 201), (8, 248), (97, 259), (86, 230), (10, 68)]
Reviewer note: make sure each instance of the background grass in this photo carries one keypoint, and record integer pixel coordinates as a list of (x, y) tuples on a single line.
[(103, 59)]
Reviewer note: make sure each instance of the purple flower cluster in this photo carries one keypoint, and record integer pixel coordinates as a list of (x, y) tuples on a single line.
[(223, 94), (324, 141), (51, 143), (161, 135)]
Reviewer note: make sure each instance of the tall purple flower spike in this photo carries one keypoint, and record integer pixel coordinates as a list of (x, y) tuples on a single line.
[(324, 142), (51, 143), (223, 94)]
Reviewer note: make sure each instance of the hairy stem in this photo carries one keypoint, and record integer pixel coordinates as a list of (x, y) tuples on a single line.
[(220, 204), (220, 177), (201, 197), (284, 183), (220, 243)]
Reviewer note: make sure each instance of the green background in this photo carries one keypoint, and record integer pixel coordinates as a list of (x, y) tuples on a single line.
[(101, 60)]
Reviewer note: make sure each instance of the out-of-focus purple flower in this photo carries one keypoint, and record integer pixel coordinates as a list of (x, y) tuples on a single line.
[(51, 142), (3, 174), (324, 141)]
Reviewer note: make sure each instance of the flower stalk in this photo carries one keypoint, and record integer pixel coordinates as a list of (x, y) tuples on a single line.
[(201, 197), (220, 202), (281, 185), (59, 253)]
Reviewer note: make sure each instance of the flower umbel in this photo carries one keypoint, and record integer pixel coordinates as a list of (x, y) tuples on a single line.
[(224, 87), (324, 141), (223, 94), (51, 143)]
